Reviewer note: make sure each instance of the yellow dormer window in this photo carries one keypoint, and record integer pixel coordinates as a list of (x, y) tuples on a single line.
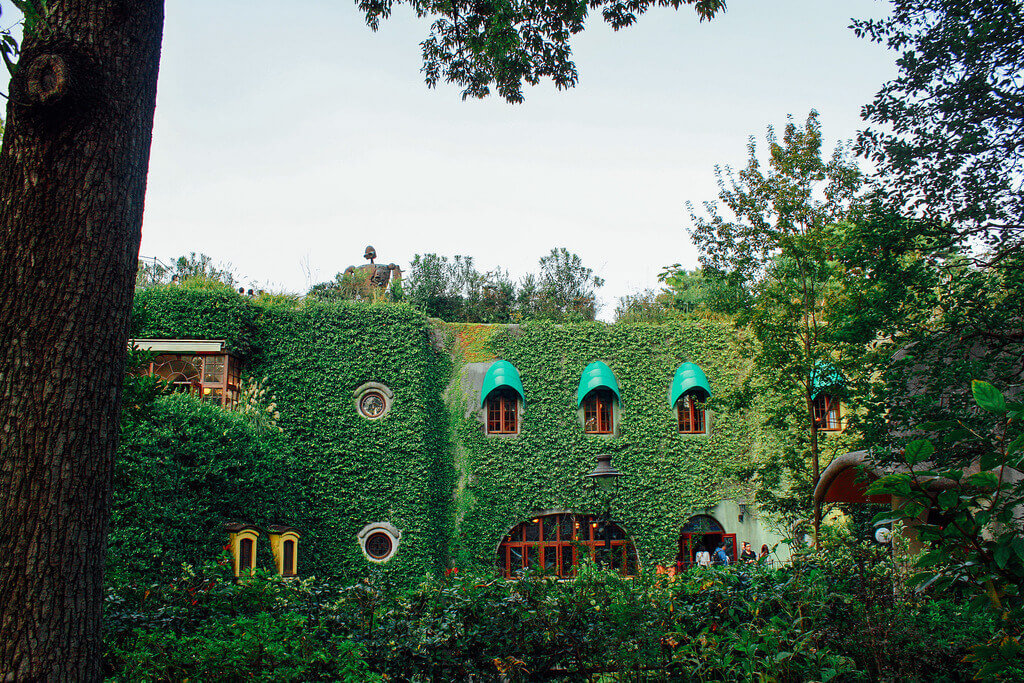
[(284, 543), (242, 540)]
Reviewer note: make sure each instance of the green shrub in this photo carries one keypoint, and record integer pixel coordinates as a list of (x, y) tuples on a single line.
[(837, 616), (184, 468)]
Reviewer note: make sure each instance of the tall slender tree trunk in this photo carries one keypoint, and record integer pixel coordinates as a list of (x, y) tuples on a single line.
[(815, 465), (72, 184)]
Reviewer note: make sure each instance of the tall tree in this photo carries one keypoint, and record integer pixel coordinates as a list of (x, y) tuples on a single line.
[(947, 137), (72, 179), (780, 241), (72, 185)]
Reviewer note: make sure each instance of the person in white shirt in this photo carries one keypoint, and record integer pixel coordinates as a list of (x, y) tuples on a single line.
[(703, 558)]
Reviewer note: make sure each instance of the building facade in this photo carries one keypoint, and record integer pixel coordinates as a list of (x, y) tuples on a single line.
[(418, 445)]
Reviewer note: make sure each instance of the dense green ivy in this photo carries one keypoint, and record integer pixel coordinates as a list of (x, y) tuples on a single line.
[(427, 466), (668, 476), (184, 468), (343, 471)]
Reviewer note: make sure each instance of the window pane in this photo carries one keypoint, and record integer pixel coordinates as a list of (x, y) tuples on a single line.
[(531, 530), (567, 563), (532, 558), (245, 555), (590, 414), (177, 368), (551, 559), (515, 560), (606, 415), (213, 369), (565, 527), (617, 552), (493, 415), (509, 425), (289, 558), (213, 395)]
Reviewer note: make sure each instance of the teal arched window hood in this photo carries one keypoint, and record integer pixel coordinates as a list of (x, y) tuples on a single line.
[(688, 376), (824, 376), (501, 374), (595, 376)]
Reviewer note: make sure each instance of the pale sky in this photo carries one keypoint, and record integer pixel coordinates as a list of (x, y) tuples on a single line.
[(291, 136)]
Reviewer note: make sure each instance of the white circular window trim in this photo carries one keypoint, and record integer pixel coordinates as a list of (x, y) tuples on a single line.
[(365, 391), (386, 528)]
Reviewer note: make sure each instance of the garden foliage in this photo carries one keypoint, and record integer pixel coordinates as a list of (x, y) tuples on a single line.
[(973, 534), (840, 616)]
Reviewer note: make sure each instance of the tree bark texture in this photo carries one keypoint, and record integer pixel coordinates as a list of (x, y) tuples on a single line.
[(72, 184)]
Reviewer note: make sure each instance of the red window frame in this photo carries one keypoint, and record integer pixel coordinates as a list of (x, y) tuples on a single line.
[(503, 412), (599, 412), (690, 413), (554, 544), (826, 413)]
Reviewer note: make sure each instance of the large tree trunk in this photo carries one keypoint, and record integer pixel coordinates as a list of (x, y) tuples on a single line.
[(72, 183)]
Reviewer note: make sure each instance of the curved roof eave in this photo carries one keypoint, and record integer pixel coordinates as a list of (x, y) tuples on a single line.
[(595, 376), (688, 376), (501, 374)]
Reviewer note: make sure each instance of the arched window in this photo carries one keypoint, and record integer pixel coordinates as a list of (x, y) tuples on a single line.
[(503, 411), (690, 413), (284, 545), (500, 396), (826, 412), (688, 393), (598, 396), (242, 544), (598, 412), (556, 544)]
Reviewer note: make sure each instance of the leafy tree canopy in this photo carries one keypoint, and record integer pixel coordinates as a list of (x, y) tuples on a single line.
[(948, 133), (484, 44), (455, 291), (777, 209)]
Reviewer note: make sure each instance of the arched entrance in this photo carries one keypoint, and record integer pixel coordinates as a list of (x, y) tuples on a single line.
[(703, 532), (555, 544)]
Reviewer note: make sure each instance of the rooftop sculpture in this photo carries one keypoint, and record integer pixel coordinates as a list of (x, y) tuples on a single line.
[(371, 276)]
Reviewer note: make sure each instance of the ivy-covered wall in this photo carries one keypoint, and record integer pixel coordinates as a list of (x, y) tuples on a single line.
[(347, 471), (427, 466), (668, 476)]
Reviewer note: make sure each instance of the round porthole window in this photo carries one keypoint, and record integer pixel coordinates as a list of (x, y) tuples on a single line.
[(372, 404), (379, 541), (378, 545), (373, 400)]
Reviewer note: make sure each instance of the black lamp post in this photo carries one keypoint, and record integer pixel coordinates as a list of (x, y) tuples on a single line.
[(605, 480)]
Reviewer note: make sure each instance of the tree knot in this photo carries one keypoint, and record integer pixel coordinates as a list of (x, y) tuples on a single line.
[(47, 79)]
